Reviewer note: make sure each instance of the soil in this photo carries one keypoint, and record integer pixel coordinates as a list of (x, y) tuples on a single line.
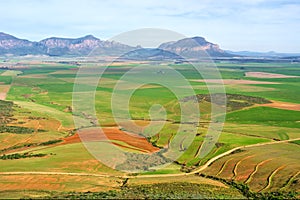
[(283, 105), (113, 133), (267, 75), (235, 82), (4, 92)]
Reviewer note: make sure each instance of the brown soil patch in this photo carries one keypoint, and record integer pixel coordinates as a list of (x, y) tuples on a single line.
[(267, 75), (112, 133), (250, 88), (4, 91), (283, 105), (50, 124), (235, 82), (57, 182)]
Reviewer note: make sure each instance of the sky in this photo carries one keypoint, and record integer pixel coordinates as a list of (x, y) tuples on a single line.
[(238, 25)]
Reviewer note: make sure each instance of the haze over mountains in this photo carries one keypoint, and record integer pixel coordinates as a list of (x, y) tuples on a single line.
[(54, 46)]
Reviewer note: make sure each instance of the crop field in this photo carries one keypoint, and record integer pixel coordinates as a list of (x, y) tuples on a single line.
[(263, 168), (37, 117)]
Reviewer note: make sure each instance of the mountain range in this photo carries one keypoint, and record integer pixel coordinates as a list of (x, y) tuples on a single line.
[(194, 47), (54, 46)]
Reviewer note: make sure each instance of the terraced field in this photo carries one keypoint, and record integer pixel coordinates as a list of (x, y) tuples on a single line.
[(263, 168)]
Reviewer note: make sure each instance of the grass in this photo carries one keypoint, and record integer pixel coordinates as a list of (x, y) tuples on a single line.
[(64, 158), (262, 131), (266, 116), (296, 142), (11, 73), (65, 118), (6, 79)]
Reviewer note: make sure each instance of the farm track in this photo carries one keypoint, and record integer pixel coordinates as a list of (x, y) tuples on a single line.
[(201, 168), (271, 177)]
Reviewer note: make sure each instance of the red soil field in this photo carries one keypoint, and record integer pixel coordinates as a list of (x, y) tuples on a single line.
[(112, 133)]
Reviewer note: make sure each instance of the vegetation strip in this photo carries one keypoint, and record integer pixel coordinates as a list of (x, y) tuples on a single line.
[(19, 156), (50, 142)]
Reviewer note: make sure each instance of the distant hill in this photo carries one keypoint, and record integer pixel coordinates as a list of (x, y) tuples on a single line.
[(150, 54), (194, 47), (271, 54), (191, 48)]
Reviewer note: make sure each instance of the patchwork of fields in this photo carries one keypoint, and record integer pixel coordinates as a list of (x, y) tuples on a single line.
[(37, 117)]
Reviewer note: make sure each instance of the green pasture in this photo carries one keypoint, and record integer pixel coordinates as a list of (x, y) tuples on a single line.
[(266, 116)]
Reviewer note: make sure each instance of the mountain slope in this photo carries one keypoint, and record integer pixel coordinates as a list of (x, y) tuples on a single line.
[(60, 46), (82, 46), (12, 45), (194, 47)]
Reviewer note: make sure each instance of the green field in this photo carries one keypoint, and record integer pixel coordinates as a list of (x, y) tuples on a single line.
[(38, 109)]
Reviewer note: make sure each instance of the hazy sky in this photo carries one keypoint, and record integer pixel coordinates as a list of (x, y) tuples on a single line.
[(257, 25)]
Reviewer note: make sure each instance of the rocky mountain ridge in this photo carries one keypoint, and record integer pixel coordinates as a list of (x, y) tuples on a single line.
[(54, 46)]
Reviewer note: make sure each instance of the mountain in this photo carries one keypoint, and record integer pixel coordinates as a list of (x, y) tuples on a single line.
[(150, 54), (83, 46), (12, 45), (55, 46), (194, 47)]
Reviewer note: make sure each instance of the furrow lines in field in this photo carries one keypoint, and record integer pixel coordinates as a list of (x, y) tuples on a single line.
[(271, 177), (256, 169), (290, 180), (223, 166), (237, 164)]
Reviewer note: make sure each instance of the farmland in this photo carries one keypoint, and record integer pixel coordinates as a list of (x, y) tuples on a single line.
[(37, 118)]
